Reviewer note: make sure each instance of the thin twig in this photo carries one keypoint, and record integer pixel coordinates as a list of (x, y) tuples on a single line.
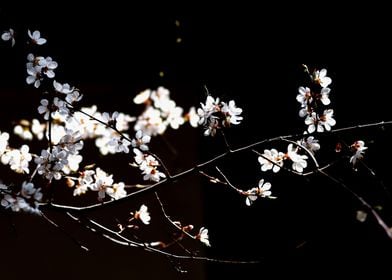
[(53, 223), (170, 220), (121, 240), (228, 182), (378, 218)]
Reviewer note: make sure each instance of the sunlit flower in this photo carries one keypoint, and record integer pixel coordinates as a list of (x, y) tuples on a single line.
[(299, 161), (63, 88), (143, 215), (3, 142), (37, 129), (359, 149), (9, 36), (142, 97), (324, 98), (320, 77), (73, 163), (27, 190), (174, 117), (193, 117), (262, 191), (22, 129), (310, 143), (117, 191), (206, 110), (272, 159), (120, 144), (110, 119), (18, 159), (232, 113), (305, 96), (203, 236), (141, 141), (71, 142), (48, 65), (36, 37), (327, 120), (102, 182), (34, 76)]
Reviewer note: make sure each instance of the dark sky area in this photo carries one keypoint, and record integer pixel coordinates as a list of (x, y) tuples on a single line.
[(252, 55)]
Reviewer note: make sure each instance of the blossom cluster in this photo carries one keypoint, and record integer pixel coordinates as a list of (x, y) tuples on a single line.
[(26, 200), (214, 115)]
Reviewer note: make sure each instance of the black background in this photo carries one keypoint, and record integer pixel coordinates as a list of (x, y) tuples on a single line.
[(250, 54)]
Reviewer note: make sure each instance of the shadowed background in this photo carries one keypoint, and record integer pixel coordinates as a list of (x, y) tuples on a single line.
[(113, 52)]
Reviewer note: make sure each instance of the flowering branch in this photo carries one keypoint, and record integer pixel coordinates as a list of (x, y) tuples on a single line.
[(121, 240), (210, 162)]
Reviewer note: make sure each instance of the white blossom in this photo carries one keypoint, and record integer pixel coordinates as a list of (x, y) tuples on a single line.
[(325, 96), (305, 96), (50, 164), (34, 76), (143, 215), (110, 119), (310, 143), (120, 144), (299, 161), (232, 113), (321, 78), (73, 97), (117, 191), (23, 130), (141, 141), (3, 142), (206, 110), (38, 129), (36, 37), (71, 142), (263, 190), (18, 159), (9, 36), (150, 122), (43, 109), (142, 97), (73, 163), (203, 236), (327, 120), (272, 159), (193, 117), (359, 149), (102, 182), (48, 65), (63, 88)]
